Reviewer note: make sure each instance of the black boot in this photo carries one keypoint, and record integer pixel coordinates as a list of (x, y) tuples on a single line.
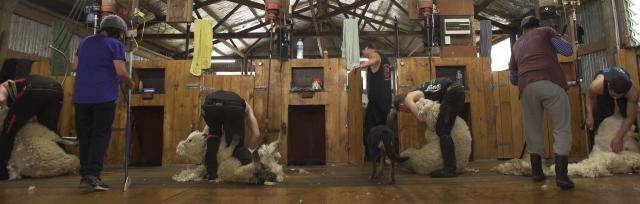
[(536, 167), (448, 157), (562, 179)]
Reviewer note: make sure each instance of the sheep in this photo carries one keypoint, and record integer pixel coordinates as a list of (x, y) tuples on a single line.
[(429, 157), (36, 153), (229, 168), (601, 161)]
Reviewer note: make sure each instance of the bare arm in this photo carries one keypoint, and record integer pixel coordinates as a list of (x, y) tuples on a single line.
[(373, 60), (410, 103), (595, 89), (253, 125), (121, 71), (74, 65), (632, 110)]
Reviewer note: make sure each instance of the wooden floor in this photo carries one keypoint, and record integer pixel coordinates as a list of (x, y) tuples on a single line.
[(330, 184)]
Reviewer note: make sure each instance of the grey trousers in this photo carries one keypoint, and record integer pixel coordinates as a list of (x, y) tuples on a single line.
[(545, 96)]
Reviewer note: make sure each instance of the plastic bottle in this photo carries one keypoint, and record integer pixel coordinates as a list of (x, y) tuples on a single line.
[(459, 77), (300, 49)]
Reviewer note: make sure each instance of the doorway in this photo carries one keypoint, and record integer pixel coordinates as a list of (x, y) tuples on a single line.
[(306, 140)]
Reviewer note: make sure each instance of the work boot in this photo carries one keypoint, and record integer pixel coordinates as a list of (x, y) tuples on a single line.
[(562, 179), (536, 167), (448, 157)]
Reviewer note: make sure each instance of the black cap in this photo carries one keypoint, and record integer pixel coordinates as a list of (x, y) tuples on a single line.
[(530, 22)]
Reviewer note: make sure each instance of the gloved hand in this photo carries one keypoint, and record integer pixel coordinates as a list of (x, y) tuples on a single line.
[(513, 77)]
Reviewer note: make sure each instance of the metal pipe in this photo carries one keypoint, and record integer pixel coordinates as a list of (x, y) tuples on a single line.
[(186, 46), (615, 24)]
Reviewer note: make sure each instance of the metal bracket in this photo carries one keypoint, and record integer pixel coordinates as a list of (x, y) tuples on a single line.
[(260, 88)]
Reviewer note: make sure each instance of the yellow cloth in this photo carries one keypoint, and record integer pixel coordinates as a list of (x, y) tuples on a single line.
[(202, 46)]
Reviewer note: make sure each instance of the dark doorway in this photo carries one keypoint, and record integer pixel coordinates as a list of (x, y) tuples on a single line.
[(306, 141), (147, 136)]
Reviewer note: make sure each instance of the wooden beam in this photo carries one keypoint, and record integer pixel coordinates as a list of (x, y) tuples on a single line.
[(234, 49), (249, 3), (340, 10), (295, 4), (362, 16), (198, 5), (197, 14), (480, 7), (364, 11), (596, 46), (340, 5), (315, 27), (224, 19), (385, 16), (248, 35), (395, 2), (497, 24)]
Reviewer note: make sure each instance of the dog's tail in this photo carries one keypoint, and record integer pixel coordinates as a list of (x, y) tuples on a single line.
[(388, 139)]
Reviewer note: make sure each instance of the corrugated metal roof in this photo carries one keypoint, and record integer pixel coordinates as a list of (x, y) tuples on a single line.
[(501, 11)]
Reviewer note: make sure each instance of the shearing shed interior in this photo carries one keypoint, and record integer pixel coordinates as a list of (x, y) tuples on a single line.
[(319, 101)]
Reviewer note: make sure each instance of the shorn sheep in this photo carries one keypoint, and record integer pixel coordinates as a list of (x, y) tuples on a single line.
[(36, 153), (601, 161), (265, 170), (429, 157)]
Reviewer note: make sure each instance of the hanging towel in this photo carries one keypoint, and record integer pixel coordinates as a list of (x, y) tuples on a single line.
[(202, 46), (350, 42)]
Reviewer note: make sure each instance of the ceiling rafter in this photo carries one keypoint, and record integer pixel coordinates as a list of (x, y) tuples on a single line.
[(248, 35), (315, 26), (226, 17), (340, 10)]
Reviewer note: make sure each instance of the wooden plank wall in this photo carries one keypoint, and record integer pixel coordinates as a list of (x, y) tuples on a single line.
[(334, 98), (179, 11), (629, 61), (414, 71), (355, 113), (268, 91), (509, 129)]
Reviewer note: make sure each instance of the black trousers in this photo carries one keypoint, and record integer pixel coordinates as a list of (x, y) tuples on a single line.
[(451, 106), (224, 113), (45, 103), (93, 126)]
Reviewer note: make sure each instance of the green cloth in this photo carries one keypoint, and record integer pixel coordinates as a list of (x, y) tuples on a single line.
[(60, 41), (350, 43)]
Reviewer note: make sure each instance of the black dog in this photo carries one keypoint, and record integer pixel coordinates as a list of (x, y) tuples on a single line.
[(381, 144)]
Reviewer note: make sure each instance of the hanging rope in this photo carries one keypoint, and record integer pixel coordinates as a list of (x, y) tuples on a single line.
[(74, 15)]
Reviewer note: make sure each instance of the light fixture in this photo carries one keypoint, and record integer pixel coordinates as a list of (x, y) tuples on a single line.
[(223, 61)]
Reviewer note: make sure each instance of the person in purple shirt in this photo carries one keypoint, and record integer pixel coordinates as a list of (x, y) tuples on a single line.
[(99, 64), (535, 69)]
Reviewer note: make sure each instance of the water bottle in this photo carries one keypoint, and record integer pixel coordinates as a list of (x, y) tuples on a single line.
[(459, 77), (300, 48)]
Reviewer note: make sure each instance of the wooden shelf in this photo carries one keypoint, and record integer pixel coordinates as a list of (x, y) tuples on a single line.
[(158, 100)]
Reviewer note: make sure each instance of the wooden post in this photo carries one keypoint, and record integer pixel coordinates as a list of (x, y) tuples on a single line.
[(610, 33), (7, 7)]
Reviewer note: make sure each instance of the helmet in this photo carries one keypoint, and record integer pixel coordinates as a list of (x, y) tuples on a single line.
[(114, 21), (530, 22)]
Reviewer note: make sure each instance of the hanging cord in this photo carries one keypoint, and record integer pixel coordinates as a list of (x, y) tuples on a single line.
[(74, 15), (266, 128)]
